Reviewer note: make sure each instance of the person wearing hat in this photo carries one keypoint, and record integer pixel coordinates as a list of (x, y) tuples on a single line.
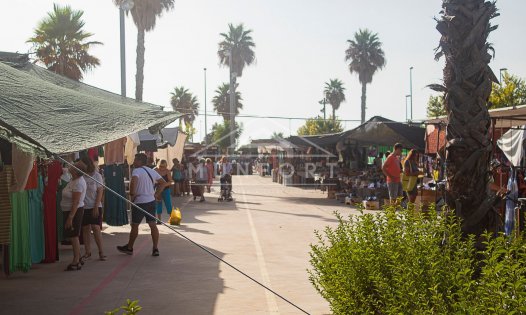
[(392, 170)]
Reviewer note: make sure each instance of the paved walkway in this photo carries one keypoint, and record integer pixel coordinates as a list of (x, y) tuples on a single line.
[(265, 232)]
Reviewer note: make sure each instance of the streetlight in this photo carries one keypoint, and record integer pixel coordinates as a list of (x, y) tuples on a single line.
[(406, 97), (125, 6), (411, 89), (228, 53), (500, 73), (206, 132)]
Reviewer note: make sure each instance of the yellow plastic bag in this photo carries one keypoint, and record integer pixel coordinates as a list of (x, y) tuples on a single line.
[(175, 216)]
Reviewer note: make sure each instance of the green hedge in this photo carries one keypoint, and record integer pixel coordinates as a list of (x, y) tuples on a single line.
[(405, 262)]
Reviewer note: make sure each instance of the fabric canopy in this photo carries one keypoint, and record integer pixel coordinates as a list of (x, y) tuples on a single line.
[(48, 112), (382, 131), (512, 145)]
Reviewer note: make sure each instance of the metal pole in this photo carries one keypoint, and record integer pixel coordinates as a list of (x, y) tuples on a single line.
[(411, 89), (232, 127), (123, 53), (206, 129)]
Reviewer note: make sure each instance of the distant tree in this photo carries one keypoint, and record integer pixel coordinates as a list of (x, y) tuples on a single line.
[(277, 135), (334, 93), (145, 14), (238, 42), (512, 92), (185, 103), (221, 134), (435, 107), (221, 101), (62, 45), (319, 126), (366, 57)]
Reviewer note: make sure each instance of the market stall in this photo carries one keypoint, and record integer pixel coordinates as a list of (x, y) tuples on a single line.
[(42, 116)]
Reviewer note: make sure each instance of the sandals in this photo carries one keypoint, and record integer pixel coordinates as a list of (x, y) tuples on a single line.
[(83, 259), (102, 257), (74, 267)]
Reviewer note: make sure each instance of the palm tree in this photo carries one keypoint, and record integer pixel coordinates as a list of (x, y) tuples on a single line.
[(465, 26), (239, 43), (62, 45), (184, 102), (145, 14), (334, 94), (221, 101), (366, 57)]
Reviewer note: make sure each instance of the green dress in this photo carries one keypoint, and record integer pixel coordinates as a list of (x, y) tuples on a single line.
[(20, 253), (36, 222)]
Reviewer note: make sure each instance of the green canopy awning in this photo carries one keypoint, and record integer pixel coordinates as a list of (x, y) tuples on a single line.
[(48, 112)]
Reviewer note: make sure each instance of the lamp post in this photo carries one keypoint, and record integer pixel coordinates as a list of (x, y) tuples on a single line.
[(411, 89), (206, 129), (406, 98), (500, 73), (125, 6)]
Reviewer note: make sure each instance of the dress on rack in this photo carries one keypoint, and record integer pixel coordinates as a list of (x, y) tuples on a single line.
[(20, 254), (54, 171), (115, 212), (36, 222)]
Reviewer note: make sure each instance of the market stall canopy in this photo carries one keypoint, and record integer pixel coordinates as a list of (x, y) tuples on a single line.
[(318, 141), (265, 146), (382, 131), (48, 113), (505, 117)]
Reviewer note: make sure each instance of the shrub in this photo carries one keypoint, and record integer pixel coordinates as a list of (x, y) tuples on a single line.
[(405, 262)]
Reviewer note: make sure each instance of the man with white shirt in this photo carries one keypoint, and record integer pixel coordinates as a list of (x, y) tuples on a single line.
[(146, 186)]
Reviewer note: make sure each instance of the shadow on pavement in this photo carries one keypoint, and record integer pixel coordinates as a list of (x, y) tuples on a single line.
[(183, 280)]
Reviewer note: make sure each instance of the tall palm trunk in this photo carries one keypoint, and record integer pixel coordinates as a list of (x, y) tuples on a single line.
[(364, 95), (139, 77), (333, 114), (468, 81)]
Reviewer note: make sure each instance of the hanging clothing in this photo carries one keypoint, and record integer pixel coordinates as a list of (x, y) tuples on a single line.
[(7, 180), (114, 152), (20, 255), (513, 189), (32, 179), (22, 166), (51, 181), (115, 213), (36, 222)]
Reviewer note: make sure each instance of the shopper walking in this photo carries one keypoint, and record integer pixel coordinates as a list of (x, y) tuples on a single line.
[(392, 170), (143, 193), (92, 218), (211, 174), (165, 173), (201, 177), (411, 173), (72, 204), (177, 177)]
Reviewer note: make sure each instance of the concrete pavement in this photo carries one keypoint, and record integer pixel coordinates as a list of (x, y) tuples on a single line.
[(265, 232)]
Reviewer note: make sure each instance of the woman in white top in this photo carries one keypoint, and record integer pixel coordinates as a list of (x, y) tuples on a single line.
[(92, 210), (72, 205)]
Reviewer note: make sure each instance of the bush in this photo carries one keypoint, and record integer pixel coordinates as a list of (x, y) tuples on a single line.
[(405, 262)]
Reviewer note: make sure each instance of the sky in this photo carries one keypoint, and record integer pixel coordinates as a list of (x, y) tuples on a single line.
[(300, 45)]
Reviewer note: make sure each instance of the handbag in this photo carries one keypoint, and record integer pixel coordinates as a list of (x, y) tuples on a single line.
[(175, 216)]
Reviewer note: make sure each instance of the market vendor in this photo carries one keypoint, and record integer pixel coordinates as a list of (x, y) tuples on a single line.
[(392, 170)]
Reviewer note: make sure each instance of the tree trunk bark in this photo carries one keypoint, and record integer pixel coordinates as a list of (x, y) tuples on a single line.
[(333, 114), (139, 76), (364, 95), (468, 81)]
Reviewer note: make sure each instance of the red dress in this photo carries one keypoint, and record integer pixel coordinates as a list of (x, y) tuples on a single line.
[(54, 171)]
